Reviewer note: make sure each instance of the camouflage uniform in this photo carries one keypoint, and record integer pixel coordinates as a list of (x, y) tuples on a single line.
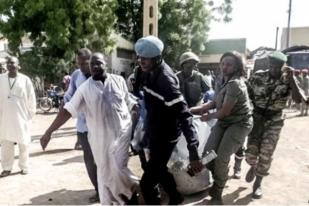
[(305, 87), (193, 88), (269, 98)]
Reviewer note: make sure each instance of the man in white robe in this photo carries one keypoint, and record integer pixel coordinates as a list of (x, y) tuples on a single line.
[(103, 99), (17, 108)]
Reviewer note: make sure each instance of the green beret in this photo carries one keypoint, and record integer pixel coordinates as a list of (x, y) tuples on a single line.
[(278, 56)]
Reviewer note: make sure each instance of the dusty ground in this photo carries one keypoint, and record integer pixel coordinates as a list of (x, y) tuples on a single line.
[(58, 175)]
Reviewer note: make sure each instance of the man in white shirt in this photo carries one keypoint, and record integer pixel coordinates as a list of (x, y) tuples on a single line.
[(17, 108), (103, 99)]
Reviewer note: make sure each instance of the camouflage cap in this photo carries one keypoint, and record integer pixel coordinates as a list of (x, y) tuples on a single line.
[(278, 56)]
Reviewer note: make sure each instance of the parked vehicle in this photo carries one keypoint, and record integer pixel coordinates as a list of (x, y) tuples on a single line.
[(298, 58), (54, 99)]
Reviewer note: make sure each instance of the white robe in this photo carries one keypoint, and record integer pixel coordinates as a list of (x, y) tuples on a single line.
[(109, 128), (17, 108)]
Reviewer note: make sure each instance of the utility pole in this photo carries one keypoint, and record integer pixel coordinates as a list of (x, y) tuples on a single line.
[(288, 29), (150, 17), (276, 43)]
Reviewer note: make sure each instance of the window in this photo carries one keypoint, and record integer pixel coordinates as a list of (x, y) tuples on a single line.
[(150, 29), (150, 11), (124, 53)]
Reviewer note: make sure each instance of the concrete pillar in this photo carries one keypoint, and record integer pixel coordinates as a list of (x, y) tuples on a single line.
[(150, 19)]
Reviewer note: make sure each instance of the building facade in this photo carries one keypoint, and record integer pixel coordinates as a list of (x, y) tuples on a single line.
[(215, 48), (298, 36)]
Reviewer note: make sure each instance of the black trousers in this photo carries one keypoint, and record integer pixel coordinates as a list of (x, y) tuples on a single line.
[(156, 172), (88, 158)]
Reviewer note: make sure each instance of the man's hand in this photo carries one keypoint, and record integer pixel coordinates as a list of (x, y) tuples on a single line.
[(205, 117), (195, 167), (45, 140), (135, 112), (289, 71)]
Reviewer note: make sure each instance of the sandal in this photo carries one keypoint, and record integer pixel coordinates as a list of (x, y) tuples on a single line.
[(5, 173)]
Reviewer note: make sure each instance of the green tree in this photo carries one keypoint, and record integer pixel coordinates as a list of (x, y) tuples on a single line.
[(57, 29), (130, 19), (183, 24)]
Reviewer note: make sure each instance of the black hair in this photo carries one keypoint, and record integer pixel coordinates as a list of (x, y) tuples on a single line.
[(239, 64)]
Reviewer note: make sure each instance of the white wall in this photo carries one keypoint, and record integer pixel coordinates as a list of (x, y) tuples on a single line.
[(298, 36)]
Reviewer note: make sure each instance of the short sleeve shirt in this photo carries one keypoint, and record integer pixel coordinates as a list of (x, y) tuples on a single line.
[(234, 91)]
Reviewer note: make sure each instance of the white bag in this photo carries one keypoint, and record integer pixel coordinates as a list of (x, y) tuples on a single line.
[(179, 161)]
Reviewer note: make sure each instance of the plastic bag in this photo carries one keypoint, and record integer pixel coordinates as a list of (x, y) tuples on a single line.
[(178, 163), (138, 136)]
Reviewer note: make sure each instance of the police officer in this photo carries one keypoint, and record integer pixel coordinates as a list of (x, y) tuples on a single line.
[(269, 91), (193, 85), (167, 116)]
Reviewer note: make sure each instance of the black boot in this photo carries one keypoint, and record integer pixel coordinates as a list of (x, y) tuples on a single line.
[(250, 174), (216, 195), (257, 189), (237, 168)]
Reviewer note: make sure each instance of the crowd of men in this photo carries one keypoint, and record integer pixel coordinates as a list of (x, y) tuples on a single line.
[(106, 110)]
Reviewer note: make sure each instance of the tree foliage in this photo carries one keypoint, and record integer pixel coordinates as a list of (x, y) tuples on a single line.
[(130, 19), (183, 24), (57, 29)]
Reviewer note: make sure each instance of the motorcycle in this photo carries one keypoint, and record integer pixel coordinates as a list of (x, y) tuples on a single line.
[(54, 99)]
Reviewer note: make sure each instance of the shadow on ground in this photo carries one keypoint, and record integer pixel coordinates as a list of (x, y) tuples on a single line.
[(56, 134), (228, 199), (63, 197), (50, 152), (232, 198), (70, 160), (12, 174), (55, 151)]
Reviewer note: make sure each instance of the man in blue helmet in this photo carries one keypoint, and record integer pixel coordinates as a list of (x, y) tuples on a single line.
[(167, 117)]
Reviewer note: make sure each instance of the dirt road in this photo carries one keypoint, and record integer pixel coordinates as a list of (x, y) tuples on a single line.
[(58, 175)]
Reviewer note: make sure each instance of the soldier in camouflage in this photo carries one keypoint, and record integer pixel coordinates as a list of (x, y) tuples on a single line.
[(269, 91)]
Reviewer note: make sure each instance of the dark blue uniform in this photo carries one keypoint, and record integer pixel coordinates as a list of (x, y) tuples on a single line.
[(167, 117)]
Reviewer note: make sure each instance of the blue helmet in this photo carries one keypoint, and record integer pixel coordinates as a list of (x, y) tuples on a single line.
[(149, 47)]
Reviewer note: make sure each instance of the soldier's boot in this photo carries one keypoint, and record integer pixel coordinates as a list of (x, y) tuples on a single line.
[(250, 174), (257, 189), (216, 195), (237, 168)]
